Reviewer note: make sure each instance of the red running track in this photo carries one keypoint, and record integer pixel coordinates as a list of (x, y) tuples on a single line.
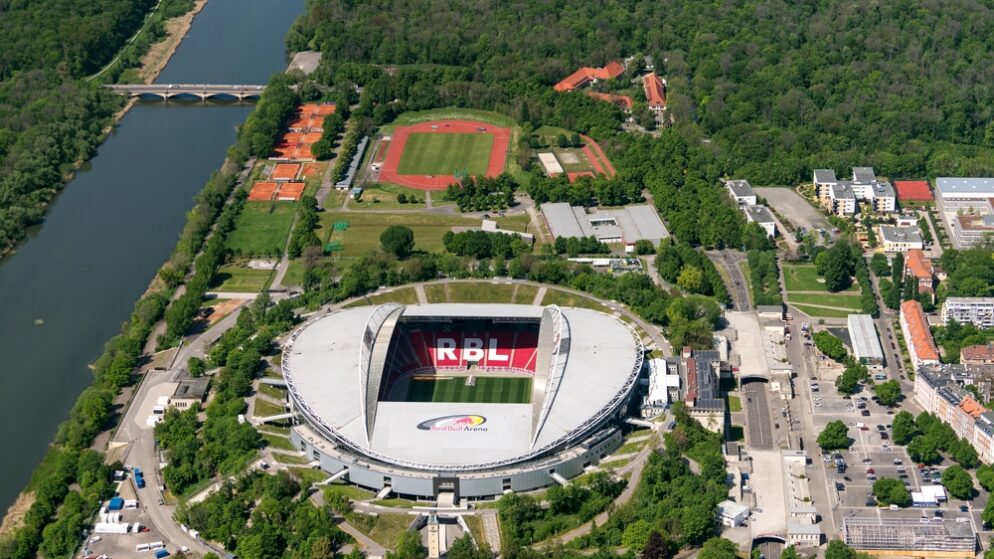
[(498, 153), (594, 153)]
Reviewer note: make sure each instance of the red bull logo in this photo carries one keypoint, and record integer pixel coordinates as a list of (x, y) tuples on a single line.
[(454, 423)]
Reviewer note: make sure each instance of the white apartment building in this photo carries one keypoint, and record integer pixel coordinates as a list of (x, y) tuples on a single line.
[(978, 311)]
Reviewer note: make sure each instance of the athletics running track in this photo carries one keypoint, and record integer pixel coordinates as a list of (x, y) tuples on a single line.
[(498, 153)]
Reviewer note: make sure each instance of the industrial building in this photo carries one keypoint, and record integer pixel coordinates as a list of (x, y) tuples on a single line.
[(619, 225), (907, 537), (978, 311), (865, 342)]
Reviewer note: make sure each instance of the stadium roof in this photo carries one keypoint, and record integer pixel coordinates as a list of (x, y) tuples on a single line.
[(913, 190), (582, 384)]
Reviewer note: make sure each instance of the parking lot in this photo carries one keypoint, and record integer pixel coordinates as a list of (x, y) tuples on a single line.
[(871, 455), (791, 205)]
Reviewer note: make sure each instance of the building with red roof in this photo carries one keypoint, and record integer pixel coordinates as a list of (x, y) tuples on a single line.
[(920, 266), (917, 335), (623, 102), (588, 75), (980, 354), (913, 191), (655, 92)]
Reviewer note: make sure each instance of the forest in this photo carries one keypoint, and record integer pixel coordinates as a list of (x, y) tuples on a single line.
[(51, 119)]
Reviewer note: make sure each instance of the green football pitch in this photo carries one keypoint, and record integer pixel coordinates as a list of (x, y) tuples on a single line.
[(427, 153), (487, 390)]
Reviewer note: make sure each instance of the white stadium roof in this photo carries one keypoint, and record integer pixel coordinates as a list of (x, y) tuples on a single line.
[(580, 385)]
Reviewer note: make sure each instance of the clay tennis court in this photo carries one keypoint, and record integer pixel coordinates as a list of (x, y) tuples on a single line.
[(285, 171), (395, 152), (290, 191), (262, 191), (314, 169)]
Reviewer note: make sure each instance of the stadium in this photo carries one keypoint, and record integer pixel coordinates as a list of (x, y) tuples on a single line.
[(459, 401)]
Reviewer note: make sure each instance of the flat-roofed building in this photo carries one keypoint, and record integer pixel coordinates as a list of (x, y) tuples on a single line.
[(978, 311), (741, 191), (900, 239), (841, 196), (910, 537), (190, 391), (865, 342), (824, 180), (620, 225), (917, 336), (972, 230), (842, 199), (762, 216), (963, 192)]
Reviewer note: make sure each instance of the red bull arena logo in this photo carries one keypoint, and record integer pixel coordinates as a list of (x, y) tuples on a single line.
[(454, 423)]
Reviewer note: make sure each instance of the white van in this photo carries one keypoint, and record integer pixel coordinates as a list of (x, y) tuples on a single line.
[(156, 545), (141, 547)]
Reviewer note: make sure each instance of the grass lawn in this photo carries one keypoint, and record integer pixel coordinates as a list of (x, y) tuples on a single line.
[(290, 459), (261, 229), (615, 464), (265, 409), (272, 429), (276, 441), (428, 153), (398, 503), (294, 272), (828, 299), (350, 491), (238, 279), (435, 293), (383, 196), (413, 117), (564, 299), (405, 295), (363, 232), (487, 390), (388, 528), (480, 292), (475, 524), (308, 476), (734, 403), (273, 391), (525, 295), (802, 277), (632, 447), (822, 313)]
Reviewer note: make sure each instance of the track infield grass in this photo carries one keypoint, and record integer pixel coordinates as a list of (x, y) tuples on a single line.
[(486, 390), (428, 153)]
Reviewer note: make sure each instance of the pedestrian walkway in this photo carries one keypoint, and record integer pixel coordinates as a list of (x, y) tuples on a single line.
[(539, 295), (419, 290), (491, 531)]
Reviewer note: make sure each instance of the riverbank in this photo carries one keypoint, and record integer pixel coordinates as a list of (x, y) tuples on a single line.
[(159, 55)]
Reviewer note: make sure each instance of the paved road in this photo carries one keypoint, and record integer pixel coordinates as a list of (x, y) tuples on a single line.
[(758, 414), (729, 261)]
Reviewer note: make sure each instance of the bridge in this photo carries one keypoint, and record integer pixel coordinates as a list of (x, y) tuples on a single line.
[(200, 91)]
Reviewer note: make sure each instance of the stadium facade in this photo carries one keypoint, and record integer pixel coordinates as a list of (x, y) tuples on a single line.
[(472, 400)]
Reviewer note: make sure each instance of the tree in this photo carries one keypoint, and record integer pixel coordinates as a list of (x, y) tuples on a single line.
[(834, 436), (924, 449), (829, 345), (987, 517), (879, 265), (636, 535), (691, 279), (963, 453), (890, 491), (985, 475), (848, 381), (657, 547), (562, 141), (904, 428), (789, 553), (837, 549), (888, 392), (575, 140), (718, 548), (398, 240), (408, 547), (958, 482)]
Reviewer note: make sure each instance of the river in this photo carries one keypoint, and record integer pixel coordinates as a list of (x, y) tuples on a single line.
[(69, 287)]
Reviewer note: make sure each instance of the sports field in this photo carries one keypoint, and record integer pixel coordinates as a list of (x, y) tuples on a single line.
[(487, 390), (429, 153)]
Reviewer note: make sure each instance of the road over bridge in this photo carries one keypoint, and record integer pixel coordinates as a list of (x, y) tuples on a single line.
[(166, 91)]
